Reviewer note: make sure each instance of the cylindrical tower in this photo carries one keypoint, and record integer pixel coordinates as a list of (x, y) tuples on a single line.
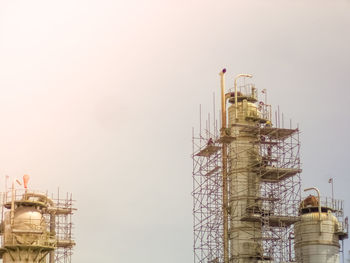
[(244, 182), (26, 238), (317, 233)]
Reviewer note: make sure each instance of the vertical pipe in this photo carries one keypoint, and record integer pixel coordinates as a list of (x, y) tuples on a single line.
[(224, 166), (52, 235), (333, 205), (214, 117), (214, 120), (193, 199), (209, 125), (276, 120), (223, 101), (200, 121), (6, 180), (13, 202), (290, 246), (236, 99)]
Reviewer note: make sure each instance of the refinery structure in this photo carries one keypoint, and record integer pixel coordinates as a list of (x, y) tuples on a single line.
[(35, 227), (247, 197)]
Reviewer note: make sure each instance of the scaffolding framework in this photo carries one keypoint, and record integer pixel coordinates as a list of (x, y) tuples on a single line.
[(274, 209), (64, 227), (207, 199)]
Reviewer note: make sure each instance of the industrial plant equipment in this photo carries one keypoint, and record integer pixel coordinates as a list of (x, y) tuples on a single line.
[(34, 227), (319, 230), (246, 182)]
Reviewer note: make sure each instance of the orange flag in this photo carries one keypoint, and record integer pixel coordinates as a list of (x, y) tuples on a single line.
[(25, 180)]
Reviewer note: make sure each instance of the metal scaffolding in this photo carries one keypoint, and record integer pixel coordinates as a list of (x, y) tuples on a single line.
[(269, 159), (207, 198), (64, 227)]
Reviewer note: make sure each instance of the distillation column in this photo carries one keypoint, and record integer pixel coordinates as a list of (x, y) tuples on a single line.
[(244, 183), (317, 234)]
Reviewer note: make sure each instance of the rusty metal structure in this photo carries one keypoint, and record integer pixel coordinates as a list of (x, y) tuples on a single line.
[(246, 181), (36, 227)]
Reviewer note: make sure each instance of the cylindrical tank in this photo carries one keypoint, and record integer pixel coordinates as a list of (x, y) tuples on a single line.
[(245, 235), (316, 240), (26, 238), (26, 231)]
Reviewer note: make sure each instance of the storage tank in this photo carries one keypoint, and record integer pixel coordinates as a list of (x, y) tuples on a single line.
[(317, 233)]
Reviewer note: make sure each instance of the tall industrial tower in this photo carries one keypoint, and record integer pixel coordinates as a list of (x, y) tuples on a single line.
[(34, 227), (247, 203), (246, 181)]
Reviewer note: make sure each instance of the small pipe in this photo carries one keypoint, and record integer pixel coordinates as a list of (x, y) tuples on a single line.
[(13, 202), (6, 181), (290, 245)]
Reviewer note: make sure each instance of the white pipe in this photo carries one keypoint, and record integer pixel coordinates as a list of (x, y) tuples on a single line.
[(223, 99), (43, 196), (238, 76), (224, 169)]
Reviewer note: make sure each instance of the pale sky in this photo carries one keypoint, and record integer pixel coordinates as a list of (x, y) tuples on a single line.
[(99, 98)]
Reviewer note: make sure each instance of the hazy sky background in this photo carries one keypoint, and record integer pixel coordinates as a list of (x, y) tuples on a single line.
[(99, 98)]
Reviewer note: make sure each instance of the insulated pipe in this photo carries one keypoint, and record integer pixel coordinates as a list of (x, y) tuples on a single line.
[(52, 234), (224, 167), (237, 77), (43, 196), (290, 245)]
